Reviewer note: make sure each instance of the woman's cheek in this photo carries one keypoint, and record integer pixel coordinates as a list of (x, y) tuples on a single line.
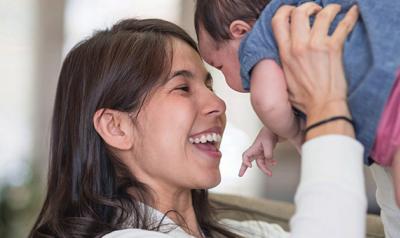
[(185, 114)]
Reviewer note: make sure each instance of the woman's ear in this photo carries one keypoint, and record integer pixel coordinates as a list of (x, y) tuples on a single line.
[(239, 28), (114, 127)]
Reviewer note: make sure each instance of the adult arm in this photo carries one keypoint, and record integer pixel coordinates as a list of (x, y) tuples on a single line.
[(330, 199)]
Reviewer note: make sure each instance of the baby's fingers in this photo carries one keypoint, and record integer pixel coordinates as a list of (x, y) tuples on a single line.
[(246, 163), (271, 162), (247, 158), (250, 154), (265, 164), (243, 169)]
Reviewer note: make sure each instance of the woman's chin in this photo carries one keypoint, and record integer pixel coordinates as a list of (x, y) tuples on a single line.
[(211, 181)]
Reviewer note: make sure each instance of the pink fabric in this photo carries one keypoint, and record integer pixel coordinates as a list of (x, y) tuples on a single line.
[(388, 134)]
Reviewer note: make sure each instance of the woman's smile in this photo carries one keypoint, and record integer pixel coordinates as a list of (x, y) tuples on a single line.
[(208, 141)]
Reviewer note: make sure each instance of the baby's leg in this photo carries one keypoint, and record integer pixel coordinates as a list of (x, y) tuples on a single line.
[(396, 176)]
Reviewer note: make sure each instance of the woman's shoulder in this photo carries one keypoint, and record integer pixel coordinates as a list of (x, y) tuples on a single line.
[(254, 228)]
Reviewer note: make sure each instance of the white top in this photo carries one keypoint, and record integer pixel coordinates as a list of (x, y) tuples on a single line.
[(330, 199), (390, 213)]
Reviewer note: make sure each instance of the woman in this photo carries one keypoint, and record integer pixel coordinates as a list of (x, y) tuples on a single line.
[(135, 142)]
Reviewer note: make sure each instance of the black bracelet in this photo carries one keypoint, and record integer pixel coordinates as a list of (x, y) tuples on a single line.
[(335, 118)]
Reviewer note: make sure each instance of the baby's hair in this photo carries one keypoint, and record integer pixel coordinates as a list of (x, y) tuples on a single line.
[(215, 16)]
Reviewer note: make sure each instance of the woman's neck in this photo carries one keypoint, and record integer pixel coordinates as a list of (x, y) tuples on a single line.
[(177, 205)]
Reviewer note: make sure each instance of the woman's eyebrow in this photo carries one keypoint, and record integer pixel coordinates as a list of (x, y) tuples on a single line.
[(188, 74), (184, 73)]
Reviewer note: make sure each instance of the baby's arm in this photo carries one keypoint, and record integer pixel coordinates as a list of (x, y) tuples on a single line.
[(270, 101)]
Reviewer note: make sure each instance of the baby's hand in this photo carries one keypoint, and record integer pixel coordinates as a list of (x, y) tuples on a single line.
[(261, 151)]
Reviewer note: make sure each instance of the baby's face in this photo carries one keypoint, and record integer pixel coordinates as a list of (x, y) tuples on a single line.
[(223, 57)]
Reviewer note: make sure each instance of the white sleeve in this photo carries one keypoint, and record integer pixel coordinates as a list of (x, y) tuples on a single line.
[(135, 233), (330, 199)]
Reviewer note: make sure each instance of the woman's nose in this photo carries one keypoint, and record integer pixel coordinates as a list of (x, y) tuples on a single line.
[(213, 105)]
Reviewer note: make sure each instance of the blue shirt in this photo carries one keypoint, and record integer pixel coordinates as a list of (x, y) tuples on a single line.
[(371, 57)]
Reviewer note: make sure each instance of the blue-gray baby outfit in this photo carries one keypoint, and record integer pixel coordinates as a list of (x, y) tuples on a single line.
[(371, 57)]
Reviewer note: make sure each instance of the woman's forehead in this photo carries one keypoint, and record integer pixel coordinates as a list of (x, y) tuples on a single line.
[(185, 58)]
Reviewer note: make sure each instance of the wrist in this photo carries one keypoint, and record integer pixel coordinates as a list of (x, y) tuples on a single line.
[(324, 110), (328, 110)]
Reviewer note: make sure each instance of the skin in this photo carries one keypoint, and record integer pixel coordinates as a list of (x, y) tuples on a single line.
[(217, 55), (158, 151)]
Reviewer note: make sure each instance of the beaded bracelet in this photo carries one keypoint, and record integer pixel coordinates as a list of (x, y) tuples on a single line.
[(335, 118)]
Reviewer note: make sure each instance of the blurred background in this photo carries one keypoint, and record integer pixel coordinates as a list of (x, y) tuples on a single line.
[(35, 35)]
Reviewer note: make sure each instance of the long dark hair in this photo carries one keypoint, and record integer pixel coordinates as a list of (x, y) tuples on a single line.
[(87, 187)]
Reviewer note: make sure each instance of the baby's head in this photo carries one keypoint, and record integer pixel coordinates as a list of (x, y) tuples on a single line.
[(220, 26)]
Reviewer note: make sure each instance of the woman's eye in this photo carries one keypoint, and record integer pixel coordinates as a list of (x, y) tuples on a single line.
[(183, 88)]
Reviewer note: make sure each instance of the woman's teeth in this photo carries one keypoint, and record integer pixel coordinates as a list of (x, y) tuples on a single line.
[(205, 138)]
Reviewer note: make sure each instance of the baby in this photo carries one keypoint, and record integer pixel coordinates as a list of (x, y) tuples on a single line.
[(237, 34)]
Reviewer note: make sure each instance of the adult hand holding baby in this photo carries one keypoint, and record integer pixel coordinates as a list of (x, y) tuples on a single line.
[(312, 62)]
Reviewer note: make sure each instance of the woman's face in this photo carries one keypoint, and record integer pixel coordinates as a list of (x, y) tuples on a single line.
[(174, 122)]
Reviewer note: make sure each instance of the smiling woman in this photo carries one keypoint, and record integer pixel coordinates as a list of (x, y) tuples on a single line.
[(135, 122)]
